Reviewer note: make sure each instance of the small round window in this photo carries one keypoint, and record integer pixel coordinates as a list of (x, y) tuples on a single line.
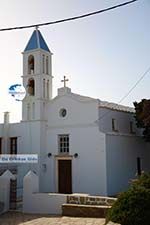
[(62, 112)]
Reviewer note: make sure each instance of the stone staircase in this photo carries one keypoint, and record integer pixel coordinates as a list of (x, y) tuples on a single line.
[(83, 205)]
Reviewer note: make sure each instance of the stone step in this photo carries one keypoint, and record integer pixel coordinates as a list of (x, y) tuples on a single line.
[(77, 210)]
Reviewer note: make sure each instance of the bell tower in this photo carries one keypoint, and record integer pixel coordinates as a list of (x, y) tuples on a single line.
[(37, 77)]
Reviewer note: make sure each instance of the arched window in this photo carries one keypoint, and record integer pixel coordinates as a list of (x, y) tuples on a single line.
[(33, 110), (43, 88), (43, 62), (31, 64), (28, 111), (31, 87), (48, 89), (46, 64)]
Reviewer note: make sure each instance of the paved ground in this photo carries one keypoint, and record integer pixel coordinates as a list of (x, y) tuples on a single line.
[(14, 218)]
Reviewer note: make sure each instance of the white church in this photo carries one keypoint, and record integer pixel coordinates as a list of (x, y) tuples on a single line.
[(84, 145)]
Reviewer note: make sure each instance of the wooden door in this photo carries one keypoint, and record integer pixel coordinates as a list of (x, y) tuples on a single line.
[(65, 176), (13, 194)]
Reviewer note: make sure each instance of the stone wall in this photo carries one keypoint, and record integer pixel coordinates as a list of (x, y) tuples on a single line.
[(84, 205), (82, 199)]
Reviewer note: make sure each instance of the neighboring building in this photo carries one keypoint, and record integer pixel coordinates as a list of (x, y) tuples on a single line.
[(84, 145)]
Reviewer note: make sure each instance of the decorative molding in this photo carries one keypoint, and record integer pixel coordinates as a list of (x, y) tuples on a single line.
[(28, 121), (36, 75), (78, 98), (63, 157), (116, 107), (36, 50), (73, 126)]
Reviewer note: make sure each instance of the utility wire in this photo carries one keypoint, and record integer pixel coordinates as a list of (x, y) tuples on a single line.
[(71, 18), (127, 94), (134, 86)]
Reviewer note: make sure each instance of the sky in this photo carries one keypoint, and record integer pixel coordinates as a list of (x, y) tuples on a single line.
[(102, 56)]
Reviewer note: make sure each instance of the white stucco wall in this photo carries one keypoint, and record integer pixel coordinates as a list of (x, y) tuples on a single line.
[(103, 155), (4, 192), (5, 189), (89, 169), (30, 140), (80, 110), (43, 203), (122, 121), (121, 158)]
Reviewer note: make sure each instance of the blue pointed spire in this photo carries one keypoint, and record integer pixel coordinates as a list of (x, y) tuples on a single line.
[(36, 41)]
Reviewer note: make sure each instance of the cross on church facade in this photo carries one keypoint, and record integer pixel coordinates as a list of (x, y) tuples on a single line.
[(64, 81)]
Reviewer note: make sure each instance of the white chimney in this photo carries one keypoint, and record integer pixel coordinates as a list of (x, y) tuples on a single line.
[(6, 117)]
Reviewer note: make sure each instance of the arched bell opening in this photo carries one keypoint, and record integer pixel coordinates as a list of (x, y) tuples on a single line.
[(31, 87), (31, 64)]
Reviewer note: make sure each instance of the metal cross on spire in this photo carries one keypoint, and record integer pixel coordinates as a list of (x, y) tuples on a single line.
[(64, 81)]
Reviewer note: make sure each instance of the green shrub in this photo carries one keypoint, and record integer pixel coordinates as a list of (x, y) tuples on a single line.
[(133, 206), (143, 181)]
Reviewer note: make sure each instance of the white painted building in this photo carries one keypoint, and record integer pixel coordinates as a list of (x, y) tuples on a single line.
[(84, 145)]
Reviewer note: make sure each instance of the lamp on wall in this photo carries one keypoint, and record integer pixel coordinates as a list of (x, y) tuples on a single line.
[(76, 155), (49, 154), (44, 167)]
